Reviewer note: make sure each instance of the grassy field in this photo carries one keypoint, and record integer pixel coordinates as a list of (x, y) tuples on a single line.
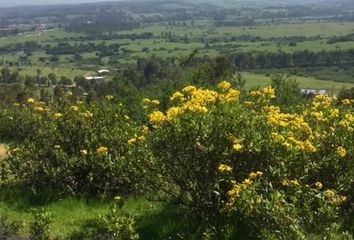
[(155, 220), (260, 80), (58, 71)]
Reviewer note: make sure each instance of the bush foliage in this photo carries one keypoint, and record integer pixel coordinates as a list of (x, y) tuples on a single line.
[(247, 168)]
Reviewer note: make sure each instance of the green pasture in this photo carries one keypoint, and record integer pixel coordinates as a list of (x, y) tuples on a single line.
[(261, 80), (58, 71)]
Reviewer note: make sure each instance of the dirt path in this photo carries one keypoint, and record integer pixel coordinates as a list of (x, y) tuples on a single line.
[(2, 151)]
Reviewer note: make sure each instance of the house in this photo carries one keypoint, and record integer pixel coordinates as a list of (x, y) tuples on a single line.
[(313, 91), (103, 72), (94, 78)]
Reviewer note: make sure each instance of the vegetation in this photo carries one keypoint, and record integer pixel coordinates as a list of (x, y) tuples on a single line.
[(172, 120)]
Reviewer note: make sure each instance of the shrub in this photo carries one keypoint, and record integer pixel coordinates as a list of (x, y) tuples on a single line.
[(251, 163), (39, 226), (74, 148), (116, 225)]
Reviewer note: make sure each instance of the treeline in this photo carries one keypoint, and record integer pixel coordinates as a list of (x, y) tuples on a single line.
[(296, 59), (105, 22), (338, 39), (66, 48), (27, 47)]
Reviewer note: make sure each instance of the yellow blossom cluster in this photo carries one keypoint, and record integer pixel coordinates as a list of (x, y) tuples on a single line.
[(38, 109), (223, 168), (136, 140), (263, 95), (102, 151), (30, 100), (341, 152), (237, 188), (83, 152), (332, 197), (74, 108), (347, 122), (192, 99), (146, 102), (318, 185), (224, 86), (109, 97), (293, 132), (57, 116), (88, 114), (290, 183), (156, 118), (321, 101)]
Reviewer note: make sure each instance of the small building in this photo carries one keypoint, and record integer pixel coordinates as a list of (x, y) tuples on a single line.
[(94, 78), (103, 72), (313, 91)]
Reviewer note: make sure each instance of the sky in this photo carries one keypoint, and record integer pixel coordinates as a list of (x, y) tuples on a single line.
[(10, 3)]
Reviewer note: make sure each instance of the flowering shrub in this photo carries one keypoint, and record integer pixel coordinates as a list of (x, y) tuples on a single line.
[(73, 148), (248, 168), (284, 174)]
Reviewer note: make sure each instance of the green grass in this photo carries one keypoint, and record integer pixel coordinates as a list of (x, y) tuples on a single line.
[(45, 37), (155, 220), (58, 71)]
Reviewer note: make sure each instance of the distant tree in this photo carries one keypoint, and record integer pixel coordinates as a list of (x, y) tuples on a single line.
[(287, 90)]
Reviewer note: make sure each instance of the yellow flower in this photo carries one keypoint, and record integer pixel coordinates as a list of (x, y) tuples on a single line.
[(237, 147), (223, 168), (255, 175), (334, 113), (146, 101), (57, 115), (294, 183), (156, 118), (224, 85), (102, 151), (189, 89), (88, 114), (109, 97), (346, 102), (247, 182), (145, 130), (252, 176), (341, 152), (38, 109), (74, 108), (269, 92), (155, 102), (173, 112), (177, 96), (30, 100), (290, 183), (329, 194), (141, 139), (132, 141), (83, 152), (318, 185), (117, 198)]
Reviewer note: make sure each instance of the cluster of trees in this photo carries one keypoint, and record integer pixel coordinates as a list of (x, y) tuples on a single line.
[(27, 47), (296, 59), (66, 48)]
